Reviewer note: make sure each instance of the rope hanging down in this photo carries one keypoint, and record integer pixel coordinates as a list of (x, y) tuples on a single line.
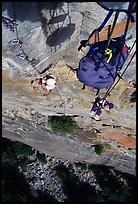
[(130, 16), (124, 37), (47, 83), (23, 55), (112, 87), (12, 25), (112, 29)]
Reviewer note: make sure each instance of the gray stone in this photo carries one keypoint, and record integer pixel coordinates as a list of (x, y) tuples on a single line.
[(50, 34)]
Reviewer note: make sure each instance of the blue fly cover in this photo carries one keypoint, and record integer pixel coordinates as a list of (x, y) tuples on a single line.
[(95, 72)]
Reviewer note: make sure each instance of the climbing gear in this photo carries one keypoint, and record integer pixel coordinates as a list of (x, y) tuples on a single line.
[(112, 87), (50, 82), (98, 105), (12, 24), (119, 74), (22, 56), (118, 6), (38, 85), (111, 105), (17, 42), (9, 23), (101, 102), (108, 52), (98, 68), (104, 60)]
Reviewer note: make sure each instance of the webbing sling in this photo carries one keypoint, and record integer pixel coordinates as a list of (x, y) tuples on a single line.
[(83, 43), (130, 17), (102, 24), (112, 87), (112, 29)]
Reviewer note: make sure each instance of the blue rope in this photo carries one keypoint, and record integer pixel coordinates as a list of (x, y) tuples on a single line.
[(102, 25), (105, 20)]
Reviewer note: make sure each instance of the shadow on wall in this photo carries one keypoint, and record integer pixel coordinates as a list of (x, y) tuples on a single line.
[(60, 35), (54, 17), (56, 27)]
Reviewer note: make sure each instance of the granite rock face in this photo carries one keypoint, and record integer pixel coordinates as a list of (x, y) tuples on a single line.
[(50, 33)]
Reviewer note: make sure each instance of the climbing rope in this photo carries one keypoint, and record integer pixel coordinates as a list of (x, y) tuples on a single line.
[(112, 87), (12, 25), (130, 17), (124, 37), (120, 76), (112, 29), (84, 43)]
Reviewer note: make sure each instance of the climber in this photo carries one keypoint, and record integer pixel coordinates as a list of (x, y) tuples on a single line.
[(8, 23), (98, 105), (44, 83)]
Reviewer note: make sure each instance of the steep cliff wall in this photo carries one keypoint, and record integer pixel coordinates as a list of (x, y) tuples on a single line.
[(50, 33)]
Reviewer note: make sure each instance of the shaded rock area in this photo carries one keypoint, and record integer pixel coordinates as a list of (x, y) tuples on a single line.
[(64, 181), (41, 177), (50, 32)]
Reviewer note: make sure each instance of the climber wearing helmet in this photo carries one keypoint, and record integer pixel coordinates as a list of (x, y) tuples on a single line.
[(46, 83)]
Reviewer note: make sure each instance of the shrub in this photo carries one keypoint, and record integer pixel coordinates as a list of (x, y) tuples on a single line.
[(100, 148), (70, 166), (16, 153), (63, 176), (63, 124), (83, 166), (21, 149), (120, 193), (91, 167), (9, 159), (23, 163), (41, 158)]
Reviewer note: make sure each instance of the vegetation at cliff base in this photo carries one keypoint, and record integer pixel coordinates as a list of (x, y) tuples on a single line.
[(113, 186)]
